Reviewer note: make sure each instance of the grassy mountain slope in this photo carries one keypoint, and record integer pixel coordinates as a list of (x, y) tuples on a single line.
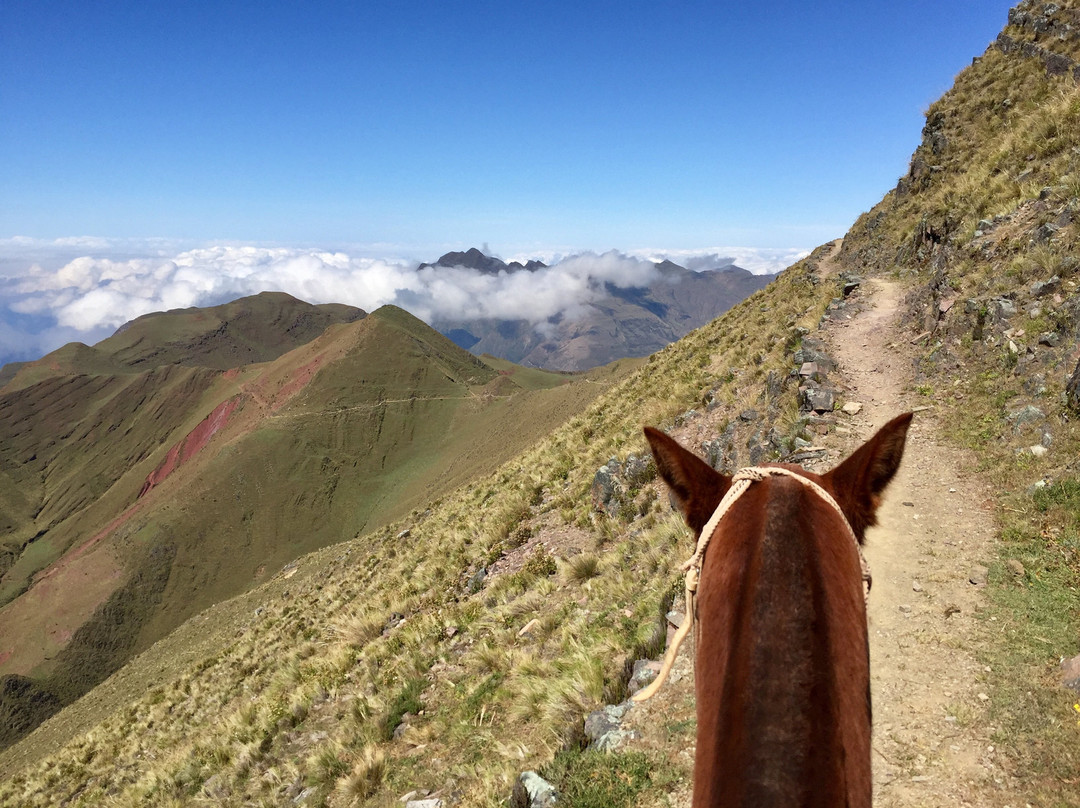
[(298, 691), (249, 330), (166, 491)]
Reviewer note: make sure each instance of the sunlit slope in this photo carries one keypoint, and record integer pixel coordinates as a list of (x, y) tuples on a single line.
[(261, 464), (249, 330), (497, 696), (985, 229)]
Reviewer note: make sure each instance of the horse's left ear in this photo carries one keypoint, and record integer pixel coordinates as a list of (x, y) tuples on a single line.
[(857, 483), (696, 486)]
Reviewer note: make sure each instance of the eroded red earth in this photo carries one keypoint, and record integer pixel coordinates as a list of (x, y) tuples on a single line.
[(192, 443)]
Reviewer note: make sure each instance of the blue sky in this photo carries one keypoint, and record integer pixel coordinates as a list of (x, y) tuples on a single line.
[(171, 154), (583, 125)]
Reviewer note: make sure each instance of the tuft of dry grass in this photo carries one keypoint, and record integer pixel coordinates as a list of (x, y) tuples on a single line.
[(368, 771)]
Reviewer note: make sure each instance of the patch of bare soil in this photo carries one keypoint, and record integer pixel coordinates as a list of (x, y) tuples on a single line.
[(932, 741)]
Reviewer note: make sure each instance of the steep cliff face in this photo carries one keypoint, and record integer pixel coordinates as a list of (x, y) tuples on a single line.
[(988, 215)]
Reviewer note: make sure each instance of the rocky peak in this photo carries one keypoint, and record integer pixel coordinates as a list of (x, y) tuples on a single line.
[(475, 259)]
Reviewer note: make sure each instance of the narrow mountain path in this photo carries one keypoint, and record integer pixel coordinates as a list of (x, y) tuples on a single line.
[(933, 740)]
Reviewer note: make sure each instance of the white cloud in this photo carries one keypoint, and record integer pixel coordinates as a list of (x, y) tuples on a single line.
[(89, 295), (758, 260)]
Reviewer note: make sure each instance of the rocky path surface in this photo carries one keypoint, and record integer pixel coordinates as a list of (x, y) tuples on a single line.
[(932, 742)]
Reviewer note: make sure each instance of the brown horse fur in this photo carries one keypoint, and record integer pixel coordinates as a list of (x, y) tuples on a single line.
[(783, 668)]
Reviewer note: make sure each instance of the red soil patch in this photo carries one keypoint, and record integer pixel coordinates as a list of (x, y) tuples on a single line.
[(192, 444), (230, 374), (297, 382)]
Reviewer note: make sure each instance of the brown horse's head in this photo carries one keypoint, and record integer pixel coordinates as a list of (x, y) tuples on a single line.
[(782, 671)]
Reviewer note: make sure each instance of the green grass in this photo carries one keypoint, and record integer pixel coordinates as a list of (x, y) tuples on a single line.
[(398, 422), (407, 700), (1038, 616), (594, 779)]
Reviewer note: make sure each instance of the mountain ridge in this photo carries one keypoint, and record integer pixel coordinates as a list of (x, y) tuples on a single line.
[(628, 321), (118, 526)]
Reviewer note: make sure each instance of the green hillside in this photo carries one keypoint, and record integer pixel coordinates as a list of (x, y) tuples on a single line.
[(249, 330), (137, 500), (986, 229), (325, 656)]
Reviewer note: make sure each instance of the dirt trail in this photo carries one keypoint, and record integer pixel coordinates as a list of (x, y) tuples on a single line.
[(932, 742)]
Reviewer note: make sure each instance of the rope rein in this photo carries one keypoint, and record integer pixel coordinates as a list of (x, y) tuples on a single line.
[(739, 483)]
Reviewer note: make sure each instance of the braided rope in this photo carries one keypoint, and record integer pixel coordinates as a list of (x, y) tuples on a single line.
[(741, 481)]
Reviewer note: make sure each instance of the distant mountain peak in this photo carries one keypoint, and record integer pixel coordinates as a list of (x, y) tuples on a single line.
[(475, 259)]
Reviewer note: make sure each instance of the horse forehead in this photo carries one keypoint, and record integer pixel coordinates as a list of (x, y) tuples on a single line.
[(776, 489), (809, 475)]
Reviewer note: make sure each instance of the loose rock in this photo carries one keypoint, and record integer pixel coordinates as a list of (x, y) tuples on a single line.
[(816, 399), (1070, 673), (533, 791), (645, 671), (979, 575)]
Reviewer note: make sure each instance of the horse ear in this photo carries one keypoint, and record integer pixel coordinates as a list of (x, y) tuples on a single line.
[(857, 483), (696, 486)]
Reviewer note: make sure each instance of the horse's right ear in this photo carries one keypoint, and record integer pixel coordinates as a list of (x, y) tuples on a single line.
[(696, 486)]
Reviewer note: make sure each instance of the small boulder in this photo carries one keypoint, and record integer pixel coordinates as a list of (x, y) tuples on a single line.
[(1041, 288), (1002, 308), (816, 399), (606, 488), (1027, 415), (600, 722), (476, 582), (1015, 567), (1070, 673), (979, 575), (1045, 233), (533, 791), (1050, 339), (639, 469), (645, 672)]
